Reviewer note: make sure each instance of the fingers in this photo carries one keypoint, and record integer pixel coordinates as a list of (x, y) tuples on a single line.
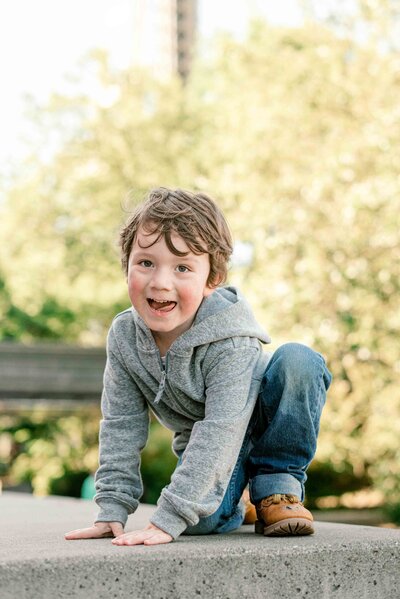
[(159, 539), (130, 538), (143, 537), (117, 529), (101, 530), (83, 533)]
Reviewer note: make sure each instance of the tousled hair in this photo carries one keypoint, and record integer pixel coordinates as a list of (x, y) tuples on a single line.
[(193, 216)]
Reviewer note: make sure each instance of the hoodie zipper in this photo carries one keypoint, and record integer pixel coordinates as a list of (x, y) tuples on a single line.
[(161, 386)]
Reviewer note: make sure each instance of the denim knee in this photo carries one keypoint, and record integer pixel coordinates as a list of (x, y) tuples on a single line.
[(299, 363)]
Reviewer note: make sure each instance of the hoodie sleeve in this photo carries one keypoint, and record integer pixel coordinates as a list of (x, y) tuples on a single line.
[(199, 483), (123, 434)]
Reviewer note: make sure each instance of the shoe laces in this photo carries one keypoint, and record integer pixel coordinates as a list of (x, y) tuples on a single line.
[(278, 497)]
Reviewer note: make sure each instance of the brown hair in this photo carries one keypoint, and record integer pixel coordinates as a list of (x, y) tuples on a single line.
[(193, 216)]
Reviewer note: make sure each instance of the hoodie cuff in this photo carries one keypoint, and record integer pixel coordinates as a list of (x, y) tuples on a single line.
[(168, 520), (111, 512)]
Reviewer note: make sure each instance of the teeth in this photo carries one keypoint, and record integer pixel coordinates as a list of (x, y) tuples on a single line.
[(159, 301)]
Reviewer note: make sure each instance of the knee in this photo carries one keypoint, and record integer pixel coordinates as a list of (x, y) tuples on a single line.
[(300, 363)]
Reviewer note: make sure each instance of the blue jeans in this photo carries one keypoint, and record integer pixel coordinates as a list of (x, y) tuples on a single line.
[(281, 437)]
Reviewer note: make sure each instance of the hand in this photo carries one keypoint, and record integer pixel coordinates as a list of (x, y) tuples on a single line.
[(99, 530), (151, 535)]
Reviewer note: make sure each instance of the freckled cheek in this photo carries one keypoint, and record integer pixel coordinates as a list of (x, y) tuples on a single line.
[(135, 288), (189, 300)]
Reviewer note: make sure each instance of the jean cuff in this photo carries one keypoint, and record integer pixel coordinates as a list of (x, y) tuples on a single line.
[(268, 484)]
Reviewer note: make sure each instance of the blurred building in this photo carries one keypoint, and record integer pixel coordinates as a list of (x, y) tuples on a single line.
[(164, 34)]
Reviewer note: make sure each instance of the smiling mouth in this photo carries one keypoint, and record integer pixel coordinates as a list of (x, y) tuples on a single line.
[(161, 305)]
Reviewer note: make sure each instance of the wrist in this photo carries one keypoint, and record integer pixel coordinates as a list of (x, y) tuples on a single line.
[(152, 526)]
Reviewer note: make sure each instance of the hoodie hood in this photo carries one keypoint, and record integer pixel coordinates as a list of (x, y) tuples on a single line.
[(223, 314)]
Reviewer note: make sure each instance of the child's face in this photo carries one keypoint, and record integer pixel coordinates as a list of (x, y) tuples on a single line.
[(165, 289)]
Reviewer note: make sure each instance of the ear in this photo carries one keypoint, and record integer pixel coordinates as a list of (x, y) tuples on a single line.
[(211, 287), (208, 291), (217, 281)]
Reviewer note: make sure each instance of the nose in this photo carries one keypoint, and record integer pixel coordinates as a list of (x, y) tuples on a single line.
[(161, 279)]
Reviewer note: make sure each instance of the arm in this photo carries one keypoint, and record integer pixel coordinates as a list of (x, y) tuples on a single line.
[(123, 434), (198, 485)]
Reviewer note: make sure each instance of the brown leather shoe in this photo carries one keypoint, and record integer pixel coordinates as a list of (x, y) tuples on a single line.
[(281, 515), (250, 514)]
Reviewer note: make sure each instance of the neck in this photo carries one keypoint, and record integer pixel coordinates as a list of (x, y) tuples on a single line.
[(162, 344)]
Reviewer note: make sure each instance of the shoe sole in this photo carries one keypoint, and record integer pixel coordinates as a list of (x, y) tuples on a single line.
[(284, 528)]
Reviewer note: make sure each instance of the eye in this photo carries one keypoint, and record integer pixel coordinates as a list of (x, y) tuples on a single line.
[(146, 263), (182, 268)]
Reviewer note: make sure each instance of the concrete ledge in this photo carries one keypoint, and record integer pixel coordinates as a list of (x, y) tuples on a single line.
[(340, 561)]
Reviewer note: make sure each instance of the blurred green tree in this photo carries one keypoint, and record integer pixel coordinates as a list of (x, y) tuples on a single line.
[(297, 133), (54, 452)]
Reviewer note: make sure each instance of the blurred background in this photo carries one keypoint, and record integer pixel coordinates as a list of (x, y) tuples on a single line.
[(288, 114)]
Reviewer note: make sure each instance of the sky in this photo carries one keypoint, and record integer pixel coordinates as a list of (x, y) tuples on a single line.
[(42, 41)]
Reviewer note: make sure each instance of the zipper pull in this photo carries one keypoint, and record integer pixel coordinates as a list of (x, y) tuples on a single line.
[(161, 387)]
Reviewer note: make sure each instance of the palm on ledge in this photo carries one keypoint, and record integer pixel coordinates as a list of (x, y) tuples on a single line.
[(151, 535)]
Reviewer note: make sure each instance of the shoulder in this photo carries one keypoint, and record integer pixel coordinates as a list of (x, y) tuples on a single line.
[(227, 348), (122, 328), (124, 318)]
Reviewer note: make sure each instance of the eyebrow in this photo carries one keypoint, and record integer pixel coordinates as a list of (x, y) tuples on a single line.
[(146, 251)]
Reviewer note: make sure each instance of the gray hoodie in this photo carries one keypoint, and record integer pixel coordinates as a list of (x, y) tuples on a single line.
[(205, 394)]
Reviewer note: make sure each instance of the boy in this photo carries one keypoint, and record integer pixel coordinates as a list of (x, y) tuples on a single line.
[(190, 350)]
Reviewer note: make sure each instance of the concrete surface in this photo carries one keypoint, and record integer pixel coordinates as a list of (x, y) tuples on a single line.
[(340, 561)]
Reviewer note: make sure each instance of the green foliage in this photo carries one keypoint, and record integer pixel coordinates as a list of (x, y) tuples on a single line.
[(49, 322), (53, 453), (392, 511), (297, 133), (326, 481), (158, 462)]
